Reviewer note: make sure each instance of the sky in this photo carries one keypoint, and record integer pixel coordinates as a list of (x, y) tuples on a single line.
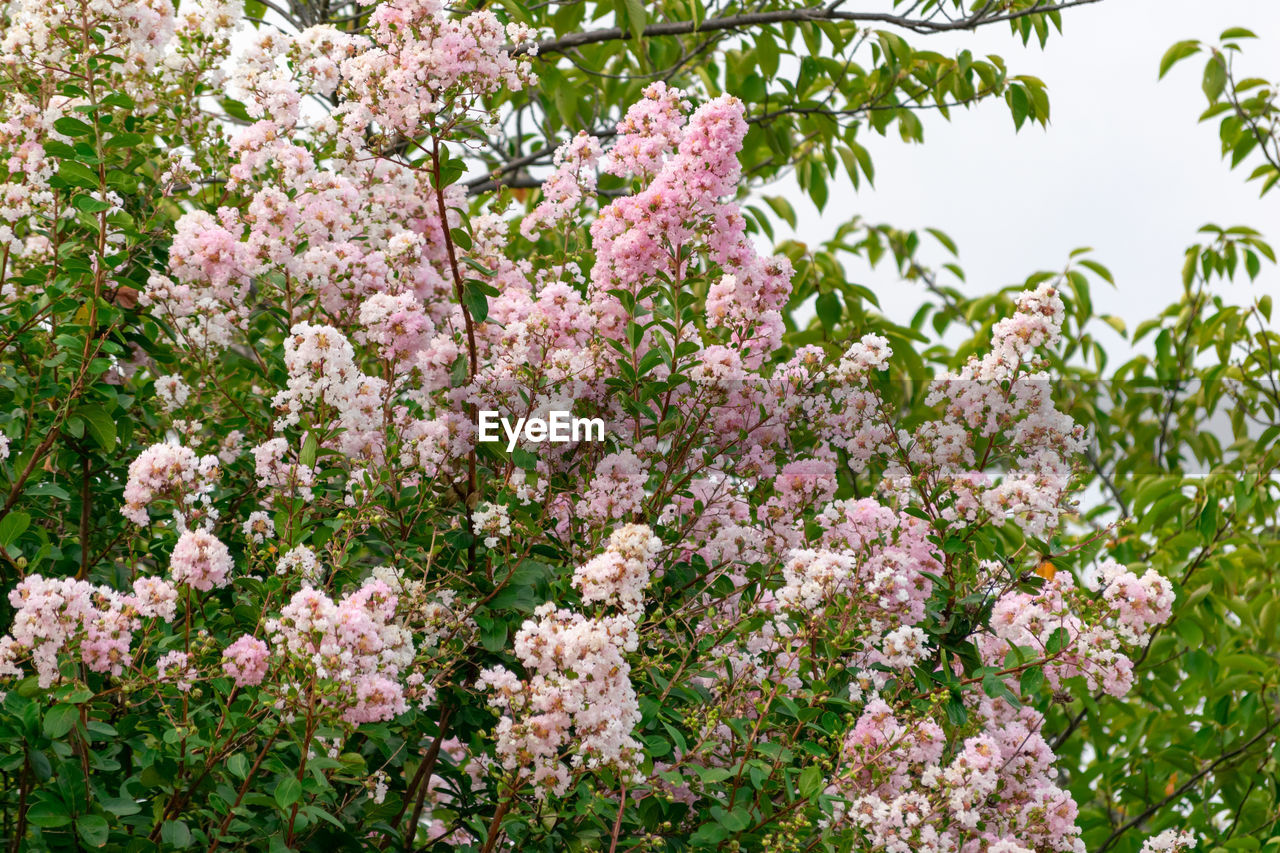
[(1123, 167)]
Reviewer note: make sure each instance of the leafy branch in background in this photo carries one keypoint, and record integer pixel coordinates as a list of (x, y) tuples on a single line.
[(1248, 108)]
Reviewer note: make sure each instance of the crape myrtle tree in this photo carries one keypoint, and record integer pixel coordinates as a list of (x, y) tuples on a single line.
[(824, 585)]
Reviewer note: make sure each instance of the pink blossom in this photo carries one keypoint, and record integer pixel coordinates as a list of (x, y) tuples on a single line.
[(167, 471), (201, 561), (245, 661), (577, 699), (619, 576), (176, 666), (58, 616), (355, 645), (617, 488), (155, 598), (574, 178)]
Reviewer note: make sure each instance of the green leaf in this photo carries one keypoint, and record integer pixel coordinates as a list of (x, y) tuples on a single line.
[(712, 775), (478, 267), (493, 635), (288, 792), (118, 99), (637, 17), (450, 170), (124, 140), (829, 309), (1176, 54), (69, 126), (60, 719), (709, 835), (945, 240), (93, 829), (100, 425), (77, 175), (810, 781), (458, 371), (1253, 266), (1208, 523), (175, 832), (752, 89), (1114, 322), (782, 208), (476, 303), (77, 694), (90, 205), (1215, 78), (994, 686), (1237, 33), (121, 806), (734, 821), (310, 447), (1031, 682), (1099, 270), (1019, 104), (12, 526), (461, 238), (238, 764), (49, 814)]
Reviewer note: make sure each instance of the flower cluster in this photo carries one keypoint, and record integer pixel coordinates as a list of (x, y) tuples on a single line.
[(423, 62), (176, 667), (1002, 399), (878, 557), (245, 661), (648, 132), (907, 790), (1057, 620), (577, 703), (493, 522), (355, 646), (639, 237), (57, 617), (618, 577), (169, 471), (573, 179), (200, 561)]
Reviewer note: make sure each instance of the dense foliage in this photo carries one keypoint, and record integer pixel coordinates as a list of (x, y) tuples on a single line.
[(825, 583)]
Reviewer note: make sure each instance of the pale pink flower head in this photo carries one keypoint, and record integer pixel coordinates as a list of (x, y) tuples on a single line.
[(573, 180), (618, 577), (176, 667), (1169, 841), (167, 470), (648, 133), (154, 597), (245, 661), (378, 699), (200, 560)]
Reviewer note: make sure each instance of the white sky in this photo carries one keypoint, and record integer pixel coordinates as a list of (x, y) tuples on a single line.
[(1123, 167)]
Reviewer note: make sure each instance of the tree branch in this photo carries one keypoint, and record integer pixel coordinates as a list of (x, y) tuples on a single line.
[(1182, 789), (924, 26)]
